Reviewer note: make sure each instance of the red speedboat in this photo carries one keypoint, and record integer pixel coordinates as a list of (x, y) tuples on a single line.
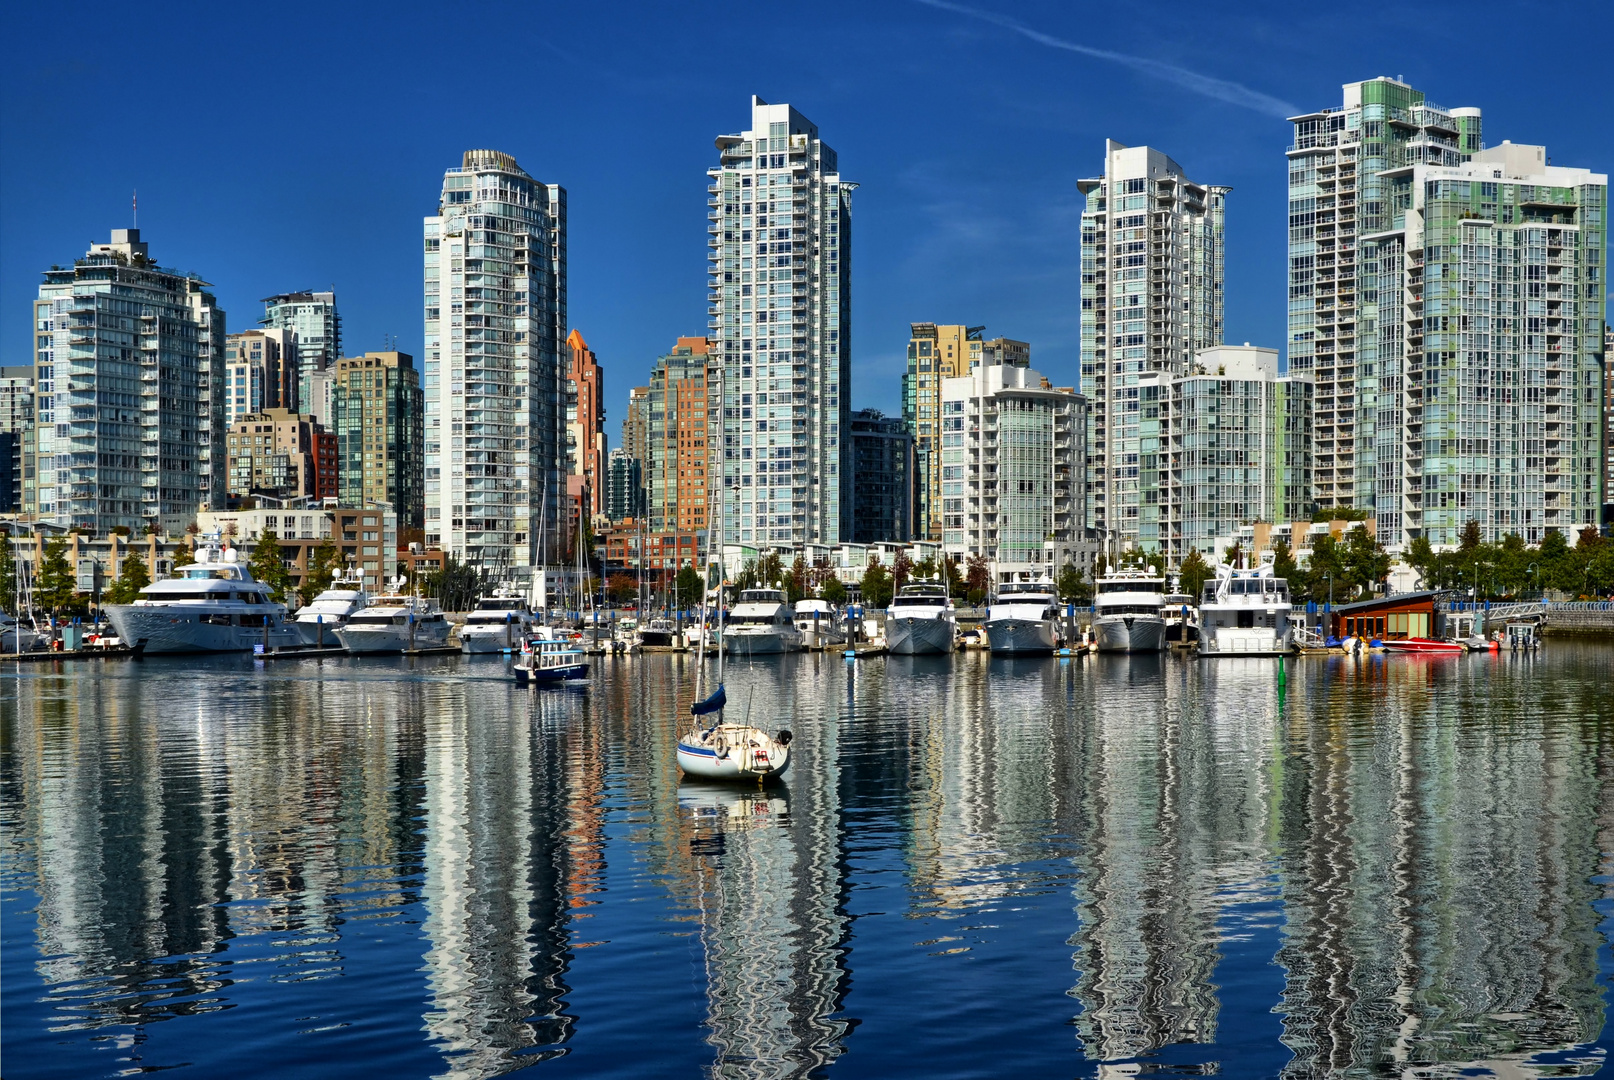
[(1427, 646)]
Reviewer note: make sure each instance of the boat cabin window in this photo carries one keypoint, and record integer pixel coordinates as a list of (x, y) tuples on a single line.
[(1129, 609), (500, 605), (1140, 585), (922, 601)]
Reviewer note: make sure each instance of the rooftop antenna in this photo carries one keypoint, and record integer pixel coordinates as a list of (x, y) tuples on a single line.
[(135, 201)]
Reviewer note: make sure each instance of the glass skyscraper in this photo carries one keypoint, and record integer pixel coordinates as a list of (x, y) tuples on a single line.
[(1152, 297), (313, 317), (780, 305), (1448, 301), (495, 436)]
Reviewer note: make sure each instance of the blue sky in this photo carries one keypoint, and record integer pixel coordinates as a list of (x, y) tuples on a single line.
[(298, 146)]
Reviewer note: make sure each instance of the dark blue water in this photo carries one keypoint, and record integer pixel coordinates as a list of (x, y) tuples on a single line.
[(1108, 867)]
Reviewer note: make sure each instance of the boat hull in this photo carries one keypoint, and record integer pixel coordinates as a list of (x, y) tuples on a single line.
[(539, 676), (768, 643), (392, 639), (492, 640), (909, 635), (1129, 633), (1246, 641), (1425, 647), (313, 634), (710, 764), (180, 629), (1022, 637)]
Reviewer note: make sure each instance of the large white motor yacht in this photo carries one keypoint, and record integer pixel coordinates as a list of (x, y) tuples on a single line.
[(1023, 619), (331, 609), (498, 624), (211, 605), (1126, 612), (920, 619), (395, 624), (820, 623), (1245, 613), (760, 623)]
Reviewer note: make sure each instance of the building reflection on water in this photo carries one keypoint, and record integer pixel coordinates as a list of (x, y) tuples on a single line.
[(1430, 835), (765, 872)]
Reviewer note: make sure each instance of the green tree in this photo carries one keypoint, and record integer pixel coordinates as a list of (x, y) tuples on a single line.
[(877, 585), (770, 570), (184, 555), (747, 577), (1101, 566), (834, 591), (269, 567), (1552, 558), (1421, 557), (55, 586), (1326, 572), (1339, 513), (952, 578), (925, 570), (688, 587), (977, 580), (1471, 537), (1234, 556), (322, 564), (132, 577), (1072, 586), (8, 576), (1193, 573), (1283, 562), (1367, 564)]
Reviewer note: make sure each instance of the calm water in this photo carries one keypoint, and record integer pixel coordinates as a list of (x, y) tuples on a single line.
[(1110, 867)]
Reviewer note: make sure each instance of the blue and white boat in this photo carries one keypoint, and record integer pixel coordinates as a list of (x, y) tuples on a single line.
[(548, 660)]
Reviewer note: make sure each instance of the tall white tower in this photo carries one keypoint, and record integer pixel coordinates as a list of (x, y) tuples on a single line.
[(495, 425), (1152, 271), (780, 245)]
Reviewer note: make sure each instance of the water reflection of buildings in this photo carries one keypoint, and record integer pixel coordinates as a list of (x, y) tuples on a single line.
[(1437, 875), (1172, 794), (766, 873), (171, 837)]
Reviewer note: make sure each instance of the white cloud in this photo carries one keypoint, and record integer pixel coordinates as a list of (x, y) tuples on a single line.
[(1220, 89)]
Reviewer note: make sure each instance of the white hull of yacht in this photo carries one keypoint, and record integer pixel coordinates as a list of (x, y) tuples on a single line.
[(1130, 633), (732, 752), (320, 633), (486, 640), (1248, 641), (181, 629), (765, 641), (912, 635), (1022, 637), (393, 639)]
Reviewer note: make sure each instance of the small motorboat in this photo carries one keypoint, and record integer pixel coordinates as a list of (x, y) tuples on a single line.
[(1426, 646), (549, 660)]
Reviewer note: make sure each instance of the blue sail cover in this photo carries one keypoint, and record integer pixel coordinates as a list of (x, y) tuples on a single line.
[(711, 704)]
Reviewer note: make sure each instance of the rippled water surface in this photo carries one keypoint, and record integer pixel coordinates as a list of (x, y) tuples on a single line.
[(1108, 867)]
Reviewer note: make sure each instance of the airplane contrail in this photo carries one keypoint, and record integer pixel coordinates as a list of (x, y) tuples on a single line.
[(1221, 89)]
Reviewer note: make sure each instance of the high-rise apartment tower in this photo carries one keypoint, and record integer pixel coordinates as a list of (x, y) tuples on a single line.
[(780, 257), (128, 369), (494, 383), (1152, 273)]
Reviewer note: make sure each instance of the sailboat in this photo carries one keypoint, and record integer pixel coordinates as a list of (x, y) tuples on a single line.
[(711, 748)]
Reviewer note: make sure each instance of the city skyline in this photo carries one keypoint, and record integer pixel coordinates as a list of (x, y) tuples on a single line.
[(946, 231)]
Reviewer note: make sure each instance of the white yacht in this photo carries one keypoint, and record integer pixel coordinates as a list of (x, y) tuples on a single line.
[(1126, 612), (1245, 613), (760, 623), (820, 623), (11, 630), (211, 605), (921, 619), (498, 624), (395, 624), (1023, 619), (331, 609)]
